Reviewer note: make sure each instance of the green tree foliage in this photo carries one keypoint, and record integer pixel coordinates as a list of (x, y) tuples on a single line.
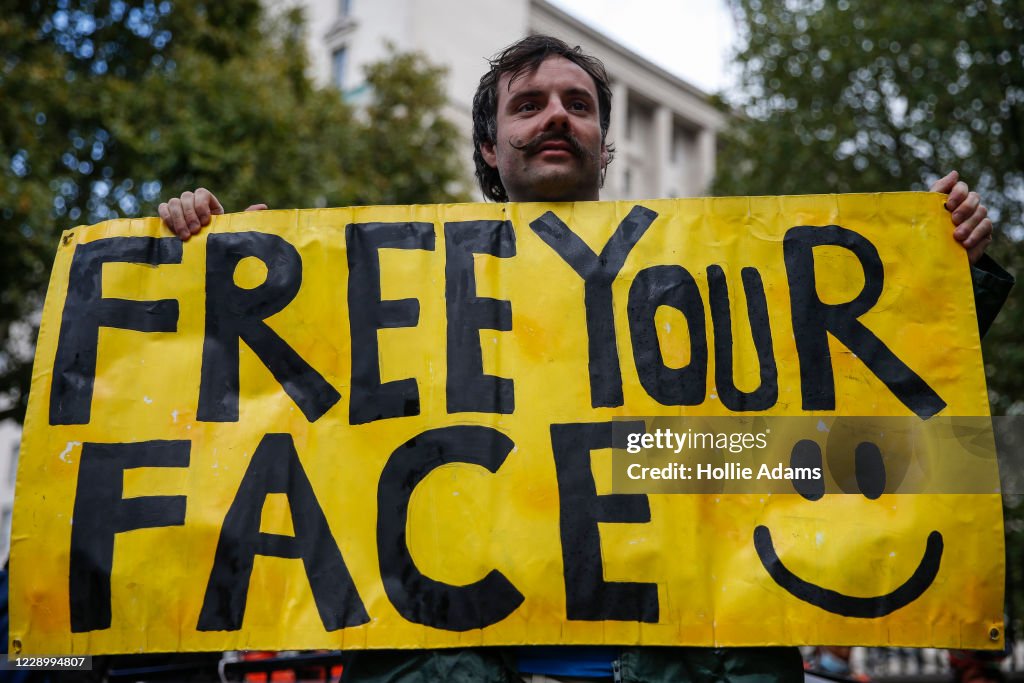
[(111, 106), (409, 157), (872, 95)]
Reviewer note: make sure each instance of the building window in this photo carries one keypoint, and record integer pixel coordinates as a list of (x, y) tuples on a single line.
[(12, 466), (338, 68), (5, 531), (682, 139)]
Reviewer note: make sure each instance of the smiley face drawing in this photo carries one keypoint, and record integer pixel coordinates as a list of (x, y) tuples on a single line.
[(870, 479)]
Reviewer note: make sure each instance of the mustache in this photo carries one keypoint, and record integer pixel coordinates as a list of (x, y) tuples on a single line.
[(531, 147)]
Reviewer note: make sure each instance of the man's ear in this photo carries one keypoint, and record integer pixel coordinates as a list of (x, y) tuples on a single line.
[(487, 152), (605, 158)]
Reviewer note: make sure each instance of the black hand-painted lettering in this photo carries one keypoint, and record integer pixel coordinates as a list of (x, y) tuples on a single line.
[(468, 388), (767, 392), (86, 311), (588, 597), (275, 468), (598, 273), (100, 513), (417, 597), (814, 320), (668, 286), (235, 314), (371, 399)]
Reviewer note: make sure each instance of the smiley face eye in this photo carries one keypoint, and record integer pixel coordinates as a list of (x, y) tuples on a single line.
[(807, 453), (869, 468)]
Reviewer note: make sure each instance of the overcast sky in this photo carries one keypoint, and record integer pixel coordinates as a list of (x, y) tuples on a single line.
[(689, 38)]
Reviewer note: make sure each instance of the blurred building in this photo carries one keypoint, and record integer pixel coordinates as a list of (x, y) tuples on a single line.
[(663, 128), (10, 434)]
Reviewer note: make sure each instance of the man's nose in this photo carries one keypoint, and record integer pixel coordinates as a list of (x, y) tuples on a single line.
[(557, 116)]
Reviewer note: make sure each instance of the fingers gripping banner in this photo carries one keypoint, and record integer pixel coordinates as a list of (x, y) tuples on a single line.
[(394, 427)]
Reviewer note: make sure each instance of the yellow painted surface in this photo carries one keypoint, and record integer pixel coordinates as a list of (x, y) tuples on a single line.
[(464, 521)]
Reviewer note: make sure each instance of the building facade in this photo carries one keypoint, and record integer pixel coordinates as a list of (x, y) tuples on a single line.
[(10, 435), (663, 128)]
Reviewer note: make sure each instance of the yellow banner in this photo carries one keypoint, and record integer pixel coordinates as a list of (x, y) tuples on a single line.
[(393, 427)]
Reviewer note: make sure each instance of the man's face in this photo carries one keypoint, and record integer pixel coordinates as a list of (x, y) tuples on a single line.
[(548, 146)]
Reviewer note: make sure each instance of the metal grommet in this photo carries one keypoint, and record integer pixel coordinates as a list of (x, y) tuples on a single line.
[(993, 633)]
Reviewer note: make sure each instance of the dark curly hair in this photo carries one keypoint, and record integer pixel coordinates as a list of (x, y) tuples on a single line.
[(525, 56)]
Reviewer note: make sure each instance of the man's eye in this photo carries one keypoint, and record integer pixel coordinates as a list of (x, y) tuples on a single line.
[(527, 106), (579, 106)]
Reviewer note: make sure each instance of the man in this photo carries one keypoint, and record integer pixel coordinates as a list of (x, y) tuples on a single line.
[(540, 124)]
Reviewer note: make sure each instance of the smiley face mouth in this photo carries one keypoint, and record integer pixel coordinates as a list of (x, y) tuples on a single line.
[(849, 605)]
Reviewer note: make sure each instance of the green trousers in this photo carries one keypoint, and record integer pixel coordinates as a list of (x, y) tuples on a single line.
[(635, 665)]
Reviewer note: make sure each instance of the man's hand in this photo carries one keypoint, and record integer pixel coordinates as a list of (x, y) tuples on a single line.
[(972, 228), (187, 215)]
